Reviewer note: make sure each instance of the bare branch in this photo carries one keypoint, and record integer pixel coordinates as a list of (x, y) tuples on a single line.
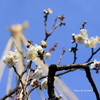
[(19, 81), (93, 53), (54, 68), (64, 50)]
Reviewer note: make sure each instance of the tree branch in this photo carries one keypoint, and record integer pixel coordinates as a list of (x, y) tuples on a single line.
[(54, 68)]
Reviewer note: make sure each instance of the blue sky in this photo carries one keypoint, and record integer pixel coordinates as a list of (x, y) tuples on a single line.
[(76, 12)]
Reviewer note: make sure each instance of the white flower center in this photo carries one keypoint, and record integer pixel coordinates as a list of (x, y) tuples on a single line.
[(9, 60)]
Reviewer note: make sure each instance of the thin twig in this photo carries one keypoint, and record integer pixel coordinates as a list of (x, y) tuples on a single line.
[(17, 86), (45, 27), (55, 22), (18, 75), (53, 27), (74, 51), (93, 53), (64, 50)]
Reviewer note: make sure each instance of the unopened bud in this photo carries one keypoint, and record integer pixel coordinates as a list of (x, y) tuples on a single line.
[(52, 49), (34, 82), (28, 45), (60, 96), (70, 50), (82, 24), (29, 41), (59, 17), (73, 34), (43, 43), (72, 41), (81, 28), (85, 22), (56, 42), (45, 11)]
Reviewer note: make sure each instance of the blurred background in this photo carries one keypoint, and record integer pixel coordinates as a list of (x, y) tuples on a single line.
[(76, 12)]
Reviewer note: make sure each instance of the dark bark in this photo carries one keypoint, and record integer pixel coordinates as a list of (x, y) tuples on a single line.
[(52, 70), (51, 74)]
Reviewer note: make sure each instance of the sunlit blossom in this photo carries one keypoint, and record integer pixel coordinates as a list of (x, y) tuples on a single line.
[(79, 39), (86, 42), (40, 49), (33, 48), (37, 73), (47, 55), (49, 10), (93, 42), (44, 84), (11, 58), (31, 55), (15, 54), (43, 43), (98, 39), (83, 32)]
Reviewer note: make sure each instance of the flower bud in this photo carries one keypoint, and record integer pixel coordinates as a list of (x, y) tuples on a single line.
[(43, 43), (34, 82), (73, 34), (70, 50)]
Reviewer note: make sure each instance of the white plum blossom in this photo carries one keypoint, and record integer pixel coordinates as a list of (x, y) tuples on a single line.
[(34, 82), (43, 43), (37, 73), (49, 10), (79, 39), (36, 48), (40, 49), (31, 55), (84, 34), (98, 39), (47, 55), (11, 58), (86, 42), (33, 47), (44, 84), (93, 42), (15, 54), (9, 61), (33, 51)]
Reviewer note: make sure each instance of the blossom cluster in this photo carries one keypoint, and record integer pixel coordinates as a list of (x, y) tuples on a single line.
[(11, 58), (35, 79), (34, 51), (82, 37)]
